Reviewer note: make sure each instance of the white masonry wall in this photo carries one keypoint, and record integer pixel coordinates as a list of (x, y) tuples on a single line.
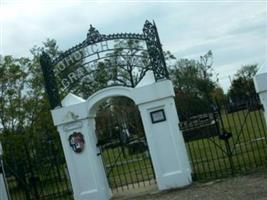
[(3, 189), (260, 82), (165, 141), (86, 170)]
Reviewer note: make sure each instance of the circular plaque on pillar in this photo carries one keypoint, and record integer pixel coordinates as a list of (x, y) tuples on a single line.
[(76, 141)]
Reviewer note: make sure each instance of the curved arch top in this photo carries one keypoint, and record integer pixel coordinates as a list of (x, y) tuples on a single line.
[(93, 37), (101, 95), (164, 138), (64, 62)]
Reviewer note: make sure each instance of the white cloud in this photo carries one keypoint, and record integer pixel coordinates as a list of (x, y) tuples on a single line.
[(235, 32)]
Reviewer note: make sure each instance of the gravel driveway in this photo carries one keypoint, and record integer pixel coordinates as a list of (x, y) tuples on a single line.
[(248, 187)]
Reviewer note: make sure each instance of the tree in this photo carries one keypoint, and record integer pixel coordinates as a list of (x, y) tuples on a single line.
[(26, 128), (247, 71), (185, 76), (242, 86), (125, 65), (14, 119), (193, 84), (128, 63), (218, 95), (194, 76), (98, 79), (13, 78)]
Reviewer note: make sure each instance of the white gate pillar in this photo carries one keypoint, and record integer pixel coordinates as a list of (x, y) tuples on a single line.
[(165, 140), (86, 170), (260, 82)]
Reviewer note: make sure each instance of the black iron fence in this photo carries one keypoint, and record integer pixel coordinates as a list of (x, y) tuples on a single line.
[(35, 169), (230, 139), (124, 148)]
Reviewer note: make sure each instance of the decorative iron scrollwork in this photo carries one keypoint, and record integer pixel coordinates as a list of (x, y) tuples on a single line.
[(150, 36), (155, 51), (93, 35), (50, 80)]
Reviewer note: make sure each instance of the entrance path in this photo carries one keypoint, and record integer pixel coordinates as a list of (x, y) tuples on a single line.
[(250, 187)]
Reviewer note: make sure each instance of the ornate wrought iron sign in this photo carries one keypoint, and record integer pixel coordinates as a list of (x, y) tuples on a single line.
[(70, 68), (76, 141)]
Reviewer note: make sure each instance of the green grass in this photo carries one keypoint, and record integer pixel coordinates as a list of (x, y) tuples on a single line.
[(126, 169), (208, 157), (49, 186)]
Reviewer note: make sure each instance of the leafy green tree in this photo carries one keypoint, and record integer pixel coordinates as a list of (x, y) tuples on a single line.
[(14, 119), (125, 65), (218, 95), (247, 71), (193, 84), (242, 86), (98, 79), (13, 78), (194, 76), (26, 128), (128, 63)]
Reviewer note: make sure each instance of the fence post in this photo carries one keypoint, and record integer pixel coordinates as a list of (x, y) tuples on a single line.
[(3, 185), (260, 82)]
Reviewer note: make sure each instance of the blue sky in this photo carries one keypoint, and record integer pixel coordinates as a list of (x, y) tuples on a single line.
[(234, 30)]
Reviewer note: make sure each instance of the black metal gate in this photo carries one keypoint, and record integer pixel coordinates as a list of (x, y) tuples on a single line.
[(230, 139), (35, 169), (123, 147)]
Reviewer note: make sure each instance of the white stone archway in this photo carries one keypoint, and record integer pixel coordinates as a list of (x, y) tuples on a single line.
[(100, 96), (165, 142)]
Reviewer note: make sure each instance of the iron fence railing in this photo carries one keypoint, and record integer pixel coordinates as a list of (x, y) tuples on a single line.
[(233, 140), (222, 142), (36, 171), (124, 148)]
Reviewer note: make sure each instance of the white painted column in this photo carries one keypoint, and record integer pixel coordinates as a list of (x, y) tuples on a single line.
[(99, 163), (85, 168), (3, 184), (260, 82), (165, 140)]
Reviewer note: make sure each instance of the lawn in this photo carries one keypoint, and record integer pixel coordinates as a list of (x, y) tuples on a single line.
[(210, 158), (247, 147), (125, 169)]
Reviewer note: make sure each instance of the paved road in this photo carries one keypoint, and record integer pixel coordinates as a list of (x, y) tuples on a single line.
[(250, 187)]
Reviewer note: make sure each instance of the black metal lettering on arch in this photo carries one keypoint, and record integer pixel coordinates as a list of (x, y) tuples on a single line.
[(71, 66)]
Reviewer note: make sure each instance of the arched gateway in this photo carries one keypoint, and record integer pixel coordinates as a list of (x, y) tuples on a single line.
[(75, 117)]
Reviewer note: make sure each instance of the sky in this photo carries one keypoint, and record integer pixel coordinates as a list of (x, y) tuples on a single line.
[(235, 31)]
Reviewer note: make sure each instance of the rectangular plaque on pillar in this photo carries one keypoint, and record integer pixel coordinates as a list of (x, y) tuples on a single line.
[(157, 116)]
